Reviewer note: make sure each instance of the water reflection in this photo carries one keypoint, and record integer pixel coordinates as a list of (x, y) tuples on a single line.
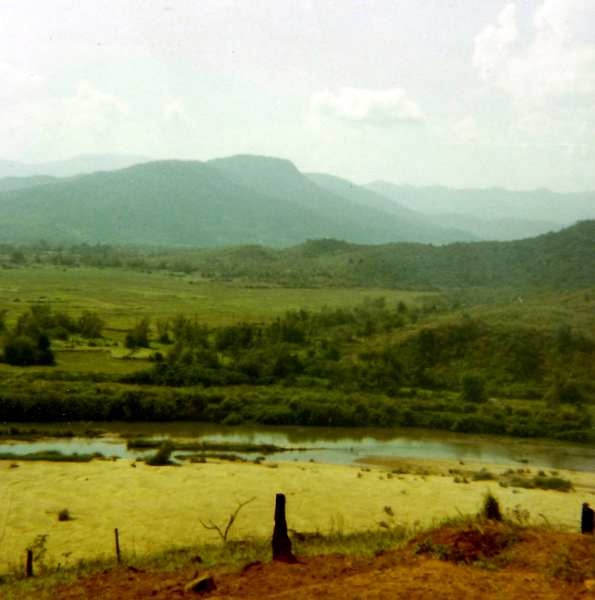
[(329, 445)]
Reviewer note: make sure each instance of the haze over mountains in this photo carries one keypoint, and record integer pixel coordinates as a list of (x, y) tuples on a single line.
[(252, 199), (83, 163)]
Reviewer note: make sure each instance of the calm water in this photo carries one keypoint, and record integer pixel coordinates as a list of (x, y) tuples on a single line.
[(328, 445)]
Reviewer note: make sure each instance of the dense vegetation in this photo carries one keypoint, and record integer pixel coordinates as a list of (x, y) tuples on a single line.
[(467, 359), (370, 365), (562, 260)]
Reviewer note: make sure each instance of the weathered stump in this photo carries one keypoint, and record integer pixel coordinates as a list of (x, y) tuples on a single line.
[(29, 567), (587, 519), (281, 541)]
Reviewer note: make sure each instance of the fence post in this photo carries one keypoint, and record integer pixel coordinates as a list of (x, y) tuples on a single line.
[(29, 568), (117, 546), (281, 541)]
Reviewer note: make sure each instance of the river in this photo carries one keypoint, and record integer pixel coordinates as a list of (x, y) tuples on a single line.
[(324, 444)]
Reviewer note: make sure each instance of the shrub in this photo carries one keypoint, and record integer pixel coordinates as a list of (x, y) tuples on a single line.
[(553, 483), (162, 457), (138, 336), (22, 351), (483, 475), (89, 325)]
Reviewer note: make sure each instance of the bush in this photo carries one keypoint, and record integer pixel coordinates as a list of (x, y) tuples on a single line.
[(22, 351), (162, 457), (483, 475), (138, 336), (90, 326)]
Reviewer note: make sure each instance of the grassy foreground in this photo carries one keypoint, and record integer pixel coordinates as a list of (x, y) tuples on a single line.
[(486, 545)]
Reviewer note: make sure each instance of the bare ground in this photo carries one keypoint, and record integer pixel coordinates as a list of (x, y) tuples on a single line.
[(480, 561)]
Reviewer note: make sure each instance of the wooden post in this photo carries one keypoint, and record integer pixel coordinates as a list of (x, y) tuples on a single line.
[(117, 546), (29, 568), (281, 541)]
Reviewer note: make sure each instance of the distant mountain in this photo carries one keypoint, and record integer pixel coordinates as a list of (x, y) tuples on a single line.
[(496, 229), (188, 203), (170, 203), (360, 222), (503, 229), (492, 203), (84, 163), (362, 195)]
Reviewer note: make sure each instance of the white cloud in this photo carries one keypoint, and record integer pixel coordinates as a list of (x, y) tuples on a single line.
[(555, 65), (360, 105), (94, 113), (492, 44), (177, 117), (561, 16)]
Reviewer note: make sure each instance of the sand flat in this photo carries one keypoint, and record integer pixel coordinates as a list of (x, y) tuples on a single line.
[(159, 507)]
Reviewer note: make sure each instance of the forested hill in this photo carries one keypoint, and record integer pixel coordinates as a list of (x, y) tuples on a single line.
[(565, 259), (240, 200)]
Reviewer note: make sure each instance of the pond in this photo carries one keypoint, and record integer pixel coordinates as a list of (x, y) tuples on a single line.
[(323, 444)]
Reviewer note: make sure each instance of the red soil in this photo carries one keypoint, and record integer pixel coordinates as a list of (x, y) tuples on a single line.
[(459, 563)]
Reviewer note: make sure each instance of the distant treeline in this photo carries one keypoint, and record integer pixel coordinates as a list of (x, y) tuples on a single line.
[(64, 401), (562, 260)]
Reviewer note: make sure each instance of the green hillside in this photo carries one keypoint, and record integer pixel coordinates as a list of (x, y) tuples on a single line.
[(170, 203), (564, 259), (242, 200)]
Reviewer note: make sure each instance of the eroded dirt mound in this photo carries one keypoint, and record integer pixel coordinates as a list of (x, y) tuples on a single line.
[(470, 562), (470, 544)]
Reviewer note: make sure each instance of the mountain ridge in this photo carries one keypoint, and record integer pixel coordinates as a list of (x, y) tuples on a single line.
[(197, 204)]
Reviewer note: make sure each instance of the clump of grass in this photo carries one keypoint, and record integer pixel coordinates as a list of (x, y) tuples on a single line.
[(483, 475), (162, 457), (553, 483), (64, 515), (51, 456), (363, 543), (543, 483)]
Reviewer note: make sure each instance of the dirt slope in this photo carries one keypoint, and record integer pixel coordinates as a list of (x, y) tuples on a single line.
[(480, 561)]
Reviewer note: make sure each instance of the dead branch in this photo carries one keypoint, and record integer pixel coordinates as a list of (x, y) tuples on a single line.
[(232, 518)]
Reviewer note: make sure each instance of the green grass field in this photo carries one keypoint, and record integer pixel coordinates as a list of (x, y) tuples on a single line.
[(121, 296)]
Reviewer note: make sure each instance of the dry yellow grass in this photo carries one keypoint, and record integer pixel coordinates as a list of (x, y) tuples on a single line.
[(159, 507)]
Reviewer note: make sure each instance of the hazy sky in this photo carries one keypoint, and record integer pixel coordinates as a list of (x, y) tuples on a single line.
[(463, 93)]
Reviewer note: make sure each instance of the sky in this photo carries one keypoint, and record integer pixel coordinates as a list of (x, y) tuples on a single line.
[(460, 93)]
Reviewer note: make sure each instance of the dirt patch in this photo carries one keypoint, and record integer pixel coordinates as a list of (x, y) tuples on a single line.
[(469, 544), (523, 565)]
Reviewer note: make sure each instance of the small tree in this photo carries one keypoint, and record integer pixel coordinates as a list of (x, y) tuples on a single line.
[(89, 325), (138, 336)]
